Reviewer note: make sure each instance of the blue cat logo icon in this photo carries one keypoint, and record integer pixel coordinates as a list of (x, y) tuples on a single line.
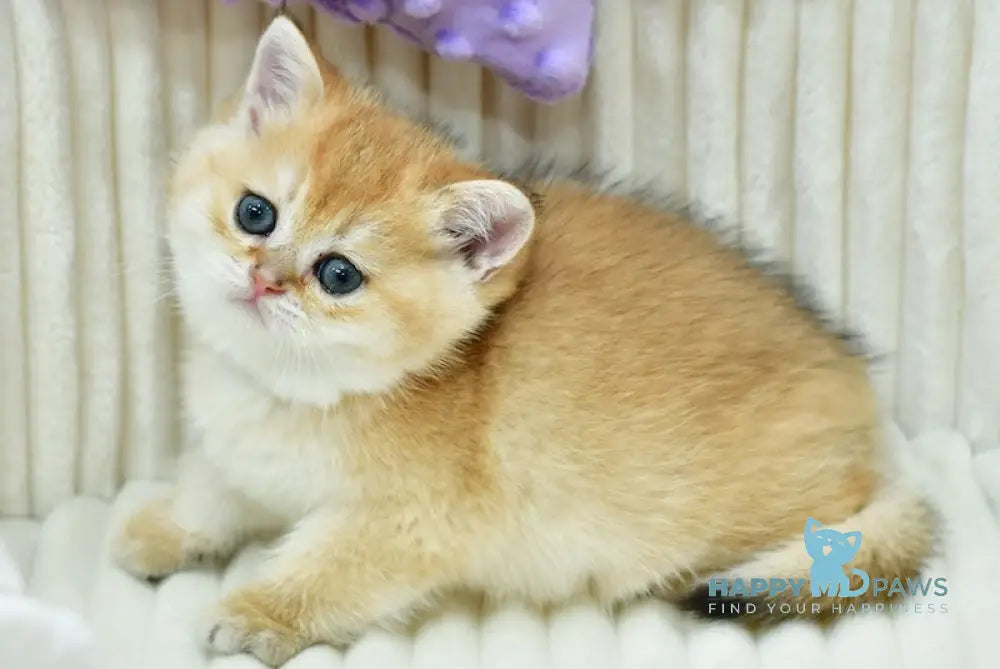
[(830, 551)]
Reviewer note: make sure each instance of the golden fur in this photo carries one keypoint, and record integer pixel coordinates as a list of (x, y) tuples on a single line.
[(623, 407)]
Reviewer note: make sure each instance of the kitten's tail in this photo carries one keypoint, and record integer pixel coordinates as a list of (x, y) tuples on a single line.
[(898, 534)]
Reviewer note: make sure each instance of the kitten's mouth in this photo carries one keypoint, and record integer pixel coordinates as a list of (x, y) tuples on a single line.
[(251, 307)]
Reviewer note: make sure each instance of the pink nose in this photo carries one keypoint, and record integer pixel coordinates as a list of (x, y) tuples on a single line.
[(265, 283)]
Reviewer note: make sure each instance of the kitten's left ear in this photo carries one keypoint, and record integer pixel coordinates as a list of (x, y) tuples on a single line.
[(487, 221), (856, 536), (284, 77)]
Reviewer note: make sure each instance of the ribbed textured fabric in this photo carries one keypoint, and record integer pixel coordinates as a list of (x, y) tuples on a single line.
[(857, 141), (64, 561)]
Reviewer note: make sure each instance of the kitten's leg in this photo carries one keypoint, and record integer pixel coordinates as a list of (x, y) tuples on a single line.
[(201, 521), (330, 579)]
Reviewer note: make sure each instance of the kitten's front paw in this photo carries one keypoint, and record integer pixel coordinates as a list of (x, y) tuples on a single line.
[(255, 621), (151, 545)]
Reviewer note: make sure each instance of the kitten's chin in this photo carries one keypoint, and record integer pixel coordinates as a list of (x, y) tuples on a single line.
[(324, 393), (255, 342), (290, 372), (304, 380), (248, 309)]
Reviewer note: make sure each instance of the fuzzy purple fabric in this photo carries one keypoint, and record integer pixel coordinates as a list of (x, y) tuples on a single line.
[(541, 47)]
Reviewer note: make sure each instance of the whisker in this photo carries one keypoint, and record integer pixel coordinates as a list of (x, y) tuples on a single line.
[(162, 297), (131, 270)]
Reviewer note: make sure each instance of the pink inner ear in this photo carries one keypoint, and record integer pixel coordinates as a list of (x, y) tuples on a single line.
[(500, 238), (489, 221), (488, 249), (254, 120), (279, 76), (276, 84)]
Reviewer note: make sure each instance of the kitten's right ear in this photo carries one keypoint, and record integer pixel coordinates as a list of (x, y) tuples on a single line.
[(812, 525), (284, 78), (487, 221)]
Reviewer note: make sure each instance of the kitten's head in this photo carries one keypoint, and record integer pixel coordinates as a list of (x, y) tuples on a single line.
[(829, 545), (327, 245)]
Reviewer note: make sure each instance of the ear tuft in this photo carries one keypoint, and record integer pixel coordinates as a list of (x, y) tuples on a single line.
[(488, 222), (284, 77)]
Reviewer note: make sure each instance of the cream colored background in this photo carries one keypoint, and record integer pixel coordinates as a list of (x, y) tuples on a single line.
[(860, 141)]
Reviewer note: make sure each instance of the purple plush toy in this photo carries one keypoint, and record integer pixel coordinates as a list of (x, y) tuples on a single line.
[(541, 47)]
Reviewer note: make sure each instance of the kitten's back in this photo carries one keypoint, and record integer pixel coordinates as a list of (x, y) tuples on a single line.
[(643, 360)]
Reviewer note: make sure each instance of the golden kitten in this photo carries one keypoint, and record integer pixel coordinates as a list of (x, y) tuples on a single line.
[(427, 377)]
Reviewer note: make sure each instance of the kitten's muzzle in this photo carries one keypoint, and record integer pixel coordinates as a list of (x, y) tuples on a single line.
[(266, 282)]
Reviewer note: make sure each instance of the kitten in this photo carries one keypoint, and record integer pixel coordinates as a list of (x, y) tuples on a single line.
[(426, 377)]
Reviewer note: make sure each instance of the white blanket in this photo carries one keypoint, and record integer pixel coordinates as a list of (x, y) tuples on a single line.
[(858, 141), (147, 627), (39, 635)]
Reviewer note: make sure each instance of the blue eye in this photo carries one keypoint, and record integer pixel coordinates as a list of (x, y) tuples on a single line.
[(256, 215), (337, 275)]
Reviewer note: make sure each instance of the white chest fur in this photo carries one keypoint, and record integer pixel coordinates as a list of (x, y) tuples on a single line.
[(284, 457)]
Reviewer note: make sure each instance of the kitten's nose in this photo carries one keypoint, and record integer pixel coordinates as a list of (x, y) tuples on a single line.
[(266, 283)]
